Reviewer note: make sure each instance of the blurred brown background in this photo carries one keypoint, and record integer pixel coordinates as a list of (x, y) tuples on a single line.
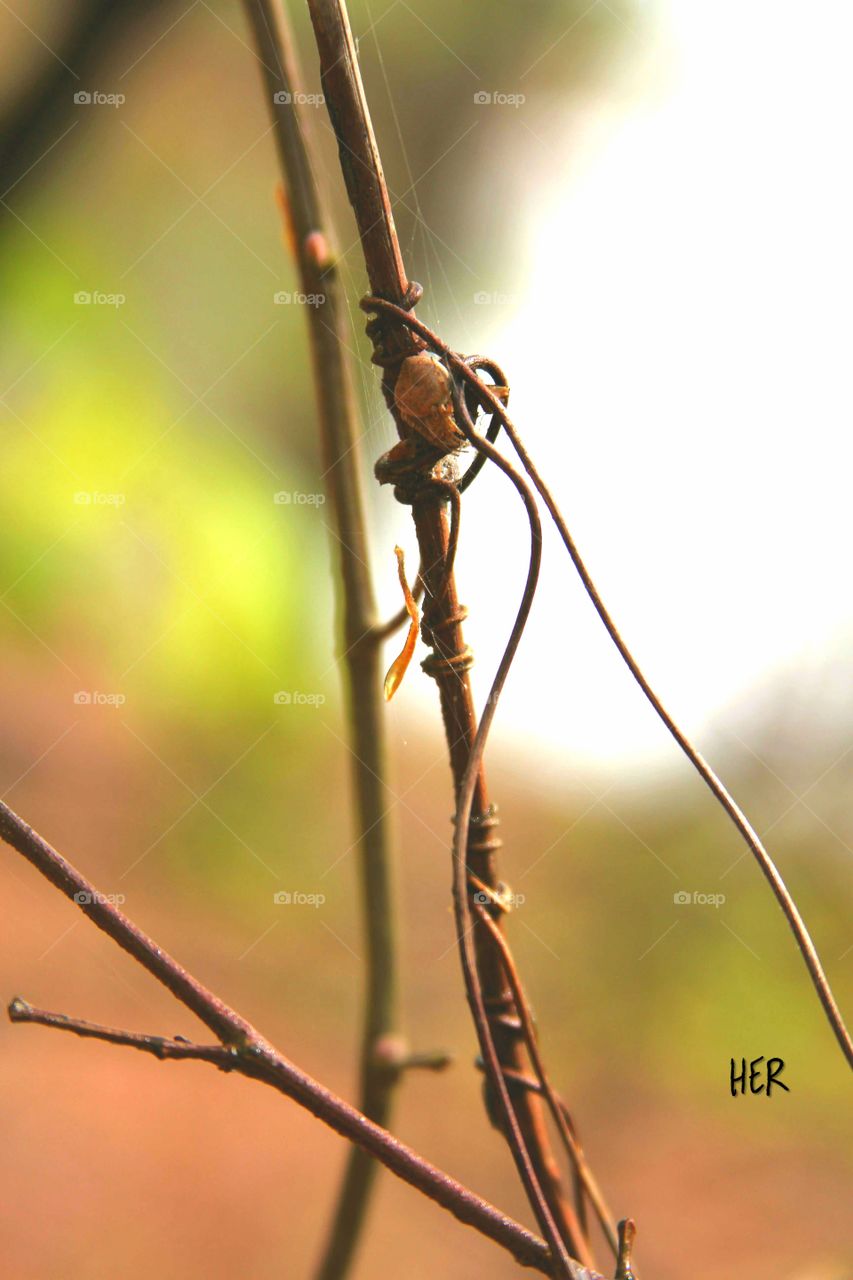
[(156, 598)]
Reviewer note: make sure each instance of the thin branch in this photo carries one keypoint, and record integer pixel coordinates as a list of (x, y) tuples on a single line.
[(174, 1050), (340, 434), (227, 1025), (521, 1119), (255, 1058), (178, 1047)]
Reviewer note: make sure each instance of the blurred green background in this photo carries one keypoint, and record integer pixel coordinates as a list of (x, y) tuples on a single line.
[(156, 598)]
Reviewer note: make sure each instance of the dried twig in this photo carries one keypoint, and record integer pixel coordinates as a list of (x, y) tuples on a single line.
[(499, 1028), (307, 227), (243, 1051), (176, 1049), (241, 1048)]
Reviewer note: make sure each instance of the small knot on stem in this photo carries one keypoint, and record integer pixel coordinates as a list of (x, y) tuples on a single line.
[(391, 1053)]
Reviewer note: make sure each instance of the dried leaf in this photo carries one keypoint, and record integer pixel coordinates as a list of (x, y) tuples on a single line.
[(398, 667)]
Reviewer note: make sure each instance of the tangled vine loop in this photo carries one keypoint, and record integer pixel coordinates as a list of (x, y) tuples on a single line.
[(468, 389), (507, 1010), (381, 324), (456, 363), (390, 355)]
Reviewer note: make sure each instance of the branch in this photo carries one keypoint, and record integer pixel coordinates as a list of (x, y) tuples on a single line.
[(227, 1025), (252, 1056), (521, 1118), (340, 434), (176, 1049)]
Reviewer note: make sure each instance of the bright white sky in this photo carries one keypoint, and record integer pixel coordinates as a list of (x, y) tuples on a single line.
[(697, 273)]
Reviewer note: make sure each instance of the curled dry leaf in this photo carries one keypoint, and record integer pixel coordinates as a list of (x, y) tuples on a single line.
[(399, 666), (425, 403)]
